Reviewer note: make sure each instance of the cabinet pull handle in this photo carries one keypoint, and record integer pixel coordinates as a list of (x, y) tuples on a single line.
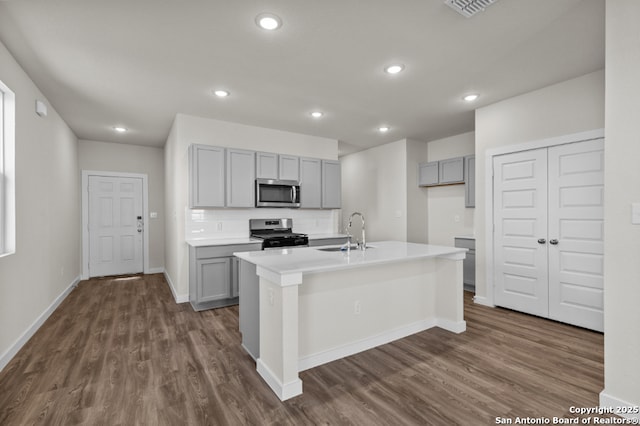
[(554, 241), (542, 241)]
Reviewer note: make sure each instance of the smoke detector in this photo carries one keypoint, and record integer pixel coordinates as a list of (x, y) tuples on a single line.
[(468, 8)]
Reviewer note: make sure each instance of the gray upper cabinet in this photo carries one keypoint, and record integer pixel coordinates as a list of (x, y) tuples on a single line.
[(443, 172), (266, 165), (241, 178), (207, 176), (289, 167), (428, 174), (331, 185), (310, 183), (225, 177), (470, 181), (451, 171)]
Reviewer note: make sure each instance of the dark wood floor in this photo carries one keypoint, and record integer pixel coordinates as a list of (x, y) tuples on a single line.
[(121, 352)]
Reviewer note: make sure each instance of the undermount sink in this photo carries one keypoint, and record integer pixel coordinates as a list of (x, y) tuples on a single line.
[(353, 247)]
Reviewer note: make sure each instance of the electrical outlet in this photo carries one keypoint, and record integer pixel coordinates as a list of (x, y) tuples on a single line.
[(357, 308), (219, 226), (456, 218)]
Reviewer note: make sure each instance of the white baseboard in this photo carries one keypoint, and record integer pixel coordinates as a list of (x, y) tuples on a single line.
[(483, 301), (29, 332), (452, 326), (348, 349), (616, 404), (155, 271), (283, 391), (179, 298)]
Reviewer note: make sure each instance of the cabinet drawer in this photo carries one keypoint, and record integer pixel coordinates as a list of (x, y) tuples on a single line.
[(225, 251)]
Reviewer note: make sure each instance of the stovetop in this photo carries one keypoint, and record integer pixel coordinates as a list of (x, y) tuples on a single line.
[(277, 235)]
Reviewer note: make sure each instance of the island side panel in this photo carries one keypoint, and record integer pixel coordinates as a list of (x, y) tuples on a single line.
[(278, 361), (348, 311), (249, 320), (450, 294)]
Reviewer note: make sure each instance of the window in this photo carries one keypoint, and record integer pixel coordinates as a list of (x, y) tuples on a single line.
[(7, 171)]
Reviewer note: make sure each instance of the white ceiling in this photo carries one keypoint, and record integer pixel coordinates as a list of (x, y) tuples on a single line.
[(138, 63)]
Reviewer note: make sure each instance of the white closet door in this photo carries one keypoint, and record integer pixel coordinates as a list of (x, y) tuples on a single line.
[(576, 233), (520, 221)]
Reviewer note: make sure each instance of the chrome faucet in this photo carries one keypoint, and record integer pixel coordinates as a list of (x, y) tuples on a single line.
[(362, 244)]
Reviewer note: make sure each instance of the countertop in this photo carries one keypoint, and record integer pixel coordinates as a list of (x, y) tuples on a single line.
[(203, 242), (465, 237), (311, 260)]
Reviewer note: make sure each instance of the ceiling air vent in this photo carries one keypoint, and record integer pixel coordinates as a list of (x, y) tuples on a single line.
[(468, 8)]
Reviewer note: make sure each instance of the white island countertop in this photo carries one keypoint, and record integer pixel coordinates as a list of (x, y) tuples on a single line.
[(313, 259)]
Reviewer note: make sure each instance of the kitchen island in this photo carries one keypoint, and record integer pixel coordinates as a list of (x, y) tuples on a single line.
[(305, 307)]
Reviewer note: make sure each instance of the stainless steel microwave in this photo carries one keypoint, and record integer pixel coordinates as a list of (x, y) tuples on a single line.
[(277, 193)]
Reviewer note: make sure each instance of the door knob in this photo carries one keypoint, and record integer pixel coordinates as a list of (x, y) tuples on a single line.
[(554, 241), (542, 241)]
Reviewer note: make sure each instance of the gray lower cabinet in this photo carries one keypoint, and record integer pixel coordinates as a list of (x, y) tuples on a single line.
[(469, 263), (214, 275)]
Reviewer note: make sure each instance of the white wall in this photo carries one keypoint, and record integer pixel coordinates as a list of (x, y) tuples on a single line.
[(187, 130), (47, 258), (374, 183), (417, 199), (448, 217), (116, 157), (622, 180), (572, 106)]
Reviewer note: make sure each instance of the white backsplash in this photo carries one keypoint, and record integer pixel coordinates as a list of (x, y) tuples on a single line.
[(234, 223)]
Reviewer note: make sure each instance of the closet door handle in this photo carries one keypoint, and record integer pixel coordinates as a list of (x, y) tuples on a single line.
[(542, 241), (554, 241)]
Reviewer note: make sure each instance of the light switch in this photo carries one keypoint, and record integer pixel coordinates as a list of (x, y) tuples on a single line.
[(635, 213), (153, 215)]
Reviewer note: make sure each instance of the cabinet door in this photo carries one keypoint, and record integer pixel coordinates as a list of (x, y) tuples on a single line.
[(207, 176), (213, 279), (266, 165), (289, 167), (240, 178), (331, 185), (310, 183), (470, 181), (428, 174), (451, 170)]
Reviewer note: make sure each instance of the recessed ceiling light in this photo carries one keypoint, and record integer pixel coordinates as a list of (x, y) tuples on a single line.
[(394, 69), (120, 129), (317, 114), (268, 21), (383, 129), (471, 97), (221, 93)]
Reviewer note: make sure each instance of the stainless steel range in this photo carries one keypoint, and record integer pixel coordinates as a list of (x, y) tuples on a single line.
[(276, 233)]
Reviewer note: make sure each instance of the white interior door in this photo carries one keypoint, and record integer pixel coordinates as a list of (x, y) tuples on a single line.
[(576, 233), (115, 226), (520, 230)]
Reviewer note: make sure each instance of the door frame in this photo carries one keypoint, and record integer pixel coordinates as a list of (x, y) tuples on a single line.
[(85, 216), (488, 299)]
